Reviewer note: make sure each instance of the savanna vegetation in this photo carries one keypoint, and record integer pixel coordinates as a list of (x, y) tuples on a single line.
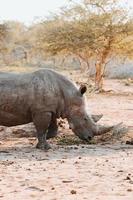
[(87, 40), (91, 31)]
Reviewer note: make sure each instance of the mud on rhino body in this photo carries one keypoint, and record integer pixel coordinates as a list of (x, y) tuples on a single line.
[(42, 97)]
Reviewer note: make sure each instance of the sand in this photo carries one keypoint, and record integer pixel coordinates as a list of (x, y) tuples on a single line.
[(91, 172)]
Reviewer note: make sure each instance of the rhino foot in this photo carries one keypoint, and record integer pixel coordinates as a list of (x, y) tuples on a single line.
[(43, 146)]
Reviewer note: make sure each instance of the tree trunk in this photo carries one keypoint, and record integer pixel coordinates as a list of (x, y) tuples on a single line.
[(99, 76), (100, 65)]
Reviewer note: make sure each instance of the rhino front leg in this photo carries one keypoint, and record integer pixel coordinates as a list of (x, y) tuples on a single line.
[(41, 122), (53, 128)]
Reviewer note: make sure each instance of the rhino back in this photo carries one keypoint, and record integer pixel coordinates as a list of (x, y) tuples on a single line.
[(43, 90)]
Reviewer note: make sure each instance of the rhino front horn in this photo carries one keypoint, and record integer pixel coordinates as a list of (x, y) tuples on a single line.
[(104, 129)]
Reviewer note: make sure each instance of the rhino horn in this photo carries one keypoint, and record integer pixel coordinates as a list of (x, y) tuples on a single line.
[(99, 130), (102, 129), (96, 118)]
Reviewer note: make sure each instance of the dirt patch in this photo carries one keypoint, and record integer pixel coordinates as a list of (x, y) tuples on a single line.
[(65, 172), (73, 169)]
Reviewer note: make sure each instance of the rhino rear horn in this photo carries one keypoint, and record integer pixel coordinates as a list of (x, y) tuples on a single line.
[(96, 118)]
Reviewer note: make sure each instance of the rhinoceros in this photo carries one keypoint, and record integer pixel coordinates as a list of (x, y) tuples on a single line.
[(42, 97)]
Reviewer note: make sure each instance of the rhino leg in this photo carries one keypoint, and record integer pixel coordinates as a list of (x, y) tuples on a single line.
[(41, 122), (53, 128)]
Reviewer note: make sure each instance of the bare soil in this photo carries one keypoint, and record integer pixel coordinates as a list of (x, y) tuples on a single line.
[(74, 172)]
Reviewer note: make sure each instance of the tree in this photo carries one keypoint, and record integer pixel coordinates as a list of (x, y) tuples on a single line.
[(3, 35), (12, 36), (16, 34), (91, 29)]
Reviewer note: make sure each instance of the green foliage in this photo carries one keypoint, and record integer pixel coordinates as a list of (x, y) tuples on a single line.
[(89, 29)]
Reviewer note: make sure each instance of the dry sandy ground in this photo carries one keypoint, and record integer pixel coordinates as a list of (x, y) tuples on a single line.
[(91, 172), (66, 173)]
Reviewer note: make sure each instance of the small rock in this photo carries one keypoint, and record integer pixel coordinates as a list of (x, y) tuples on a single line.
[(131, 182), (73, 192), (28, 169), (129, 190), (65, 181), (129, 142), (128, 178)]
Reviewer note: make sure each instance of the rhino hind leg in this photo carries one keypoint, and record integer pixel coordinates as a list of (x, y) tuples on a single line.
[(41, 122), (52, 129)]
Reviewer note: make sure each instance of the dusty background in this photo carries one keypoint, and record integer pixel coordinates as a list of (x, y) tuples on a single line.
[(85, 171)]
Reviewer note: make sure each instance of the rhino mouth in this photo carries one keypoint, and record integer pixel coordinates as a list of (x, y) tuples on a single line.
[(84, 137), (87, 139)]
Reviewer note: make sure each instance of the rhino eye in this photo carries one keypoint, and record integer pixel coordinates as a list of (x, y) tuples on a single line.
[(85, 118)]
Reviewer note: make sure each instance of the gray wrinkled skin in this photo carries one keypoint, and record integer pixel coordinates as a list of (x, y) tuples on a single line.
[(41, 97)]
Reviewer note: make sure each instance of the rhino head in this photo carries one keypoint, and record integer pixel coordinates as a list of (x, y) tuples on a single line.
[(82, 124)]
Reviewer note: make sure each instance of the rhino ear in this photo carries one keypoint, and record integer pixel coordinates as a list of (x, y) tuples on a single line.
[(82, 89)]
